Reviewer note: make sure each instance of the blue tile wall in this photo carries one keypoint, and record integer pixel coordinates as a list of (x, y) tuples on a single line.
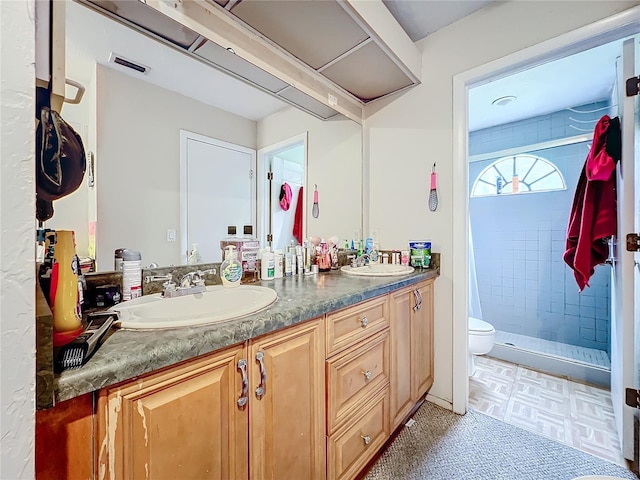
[(525, 286)]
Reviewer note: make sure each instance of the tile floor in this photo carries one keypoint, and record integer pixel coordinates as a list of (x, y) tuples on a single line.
[(570, 412)]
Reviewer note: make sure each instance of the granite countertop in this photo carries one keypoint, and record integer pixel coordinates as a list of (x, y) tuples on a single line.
[(127, 354)]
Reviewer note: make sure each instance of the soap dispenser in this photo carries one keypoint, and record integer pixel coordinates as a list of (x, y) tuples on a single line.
[(231, 268), (194, 256)]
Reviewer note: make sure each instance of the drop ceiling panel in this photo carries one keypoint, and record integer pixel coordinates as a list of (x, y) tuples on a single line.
[(315, 32), (222, 57), (367, 73), (149, 19)]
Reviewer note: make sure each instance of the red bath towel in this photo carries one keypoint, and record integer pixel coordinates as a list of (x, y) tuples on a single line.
[(297, 219), (593, 217)]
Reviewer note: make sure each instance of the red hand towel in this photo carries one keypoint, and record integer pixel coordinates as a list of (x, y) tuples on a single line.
[(297, 218), (593, 215)]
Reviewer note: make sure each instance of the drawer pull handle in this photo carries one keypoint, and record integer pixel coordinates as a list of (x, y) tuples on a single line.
[(263, 375), (366, 373), (416, 305), (420, 297), (364, 321), (244, 398), (366, 438)]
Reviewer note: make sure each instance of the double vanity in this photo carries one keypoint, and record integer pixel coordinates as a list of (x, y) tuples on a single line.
[(311, 386)]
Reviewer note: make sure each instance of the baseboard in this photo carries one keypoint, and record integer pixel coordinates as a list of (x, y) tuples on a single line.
[(441, 402)]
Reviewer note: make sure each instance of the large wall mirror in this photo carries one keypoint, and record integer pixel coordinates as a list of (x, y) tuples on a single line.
[(134, 124)]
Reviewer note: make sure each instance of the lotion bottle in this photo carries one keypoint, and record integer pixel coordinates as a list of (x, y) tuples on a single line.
[(231, 268), (267, 265)]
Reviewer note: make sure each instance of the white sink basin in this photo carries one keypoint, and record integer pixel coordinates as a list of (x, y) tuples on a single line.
[(378, 270), (217, 304)]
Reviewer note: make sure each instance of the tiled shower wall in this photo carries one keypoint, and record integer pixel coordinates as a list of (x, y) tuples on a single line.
[(525, 287)]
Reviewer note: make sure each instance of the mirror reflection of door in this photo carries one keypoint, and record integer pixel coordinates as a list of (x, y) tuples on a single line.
[(217, 188), (285, 221)]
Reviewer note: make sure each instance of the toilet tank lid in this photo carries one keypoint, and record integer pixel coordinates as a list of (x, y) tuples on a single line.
[(475, 324)]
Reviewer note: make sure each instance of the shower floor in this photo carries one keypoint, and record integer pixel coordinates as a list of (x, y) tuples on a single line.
[(589, 356), (586, 365)]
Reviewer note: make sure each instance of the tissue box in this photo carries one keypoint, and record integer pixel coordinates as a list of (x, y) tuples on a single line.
[(420, 253)]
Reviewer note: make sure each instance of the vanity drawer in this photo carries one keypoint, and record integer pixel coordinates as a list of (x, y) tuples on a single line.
[(346, 327), (353, 376), (351, 447)]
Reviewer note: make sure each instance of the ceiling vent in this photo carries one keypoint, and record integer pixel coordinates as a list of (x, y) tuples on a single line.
[(125, 62)]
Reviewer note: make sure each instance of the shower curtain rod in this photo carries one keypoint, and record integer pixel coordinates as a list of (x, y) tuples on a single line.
[(532, 147)]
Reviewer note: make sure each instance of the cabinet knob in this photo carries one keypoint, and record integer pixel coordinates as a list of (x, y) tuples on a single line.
[(366, 439), (367, 374), (364, 321)]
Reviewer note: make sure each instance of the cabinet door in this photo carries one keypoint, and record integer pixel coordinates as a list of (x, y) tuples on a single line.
[(287, 435), (183, 423), (401, 400), (422, 340)]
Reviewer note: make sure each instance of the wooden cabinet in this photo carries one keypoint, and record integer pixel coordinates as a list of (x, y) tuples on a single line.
[(182, 423), (312, 401), (357, 386), (286, 438), (200, 420), (411, 334)]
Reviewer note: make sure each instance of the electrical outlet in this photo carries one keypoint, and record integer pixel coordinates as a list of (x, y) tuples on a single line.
[(171, 235), (375, 234), (333, 101)]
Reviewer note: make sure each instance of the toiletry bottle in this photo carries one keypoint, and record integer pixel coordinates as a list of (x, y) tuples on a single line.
[(368, 245), (231, 268), (278, 262), (300, 265), (288, 262), (131, 274), (248, 253), (267, 265), (194, 256), (374, 254)]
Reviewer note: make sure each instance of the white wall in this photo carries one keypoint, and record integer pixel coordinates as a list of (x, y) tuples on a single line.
[(17, 214), (334, 157), (138, 163), (410, 131)]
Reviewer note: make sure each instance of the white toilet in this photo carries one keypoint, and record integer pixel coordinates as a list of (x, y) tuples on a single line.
[(481, 338)]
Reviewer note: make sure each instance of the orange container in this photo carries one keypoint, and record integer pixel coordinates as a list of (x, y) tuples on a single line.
[(63, 293)]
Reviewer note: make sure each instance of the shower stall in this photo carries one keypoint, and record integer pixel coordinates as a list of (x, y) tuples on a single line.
[(522, 179)]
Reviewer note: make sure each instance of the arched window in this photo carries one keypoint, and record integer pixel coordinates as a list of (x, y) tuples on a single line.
[(518, 174)]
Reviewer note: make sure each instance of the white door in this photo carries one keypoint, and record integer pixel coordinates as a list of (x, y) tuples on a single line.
[(287, 161), (217, 189), (626, 281)]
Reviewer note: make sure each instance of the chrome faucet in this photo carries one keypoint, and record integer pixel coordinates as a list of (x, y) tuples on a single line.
[(359, 261), (195, 278), (192, 282)]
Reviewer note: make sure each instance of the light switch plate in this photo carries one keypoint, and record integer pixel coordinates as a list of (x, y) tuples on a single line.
[(171, 235)]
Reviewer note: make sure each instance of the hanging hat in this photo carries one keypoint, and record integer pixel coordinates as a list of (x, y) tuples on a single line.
[(60, 161), (285, 196)]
